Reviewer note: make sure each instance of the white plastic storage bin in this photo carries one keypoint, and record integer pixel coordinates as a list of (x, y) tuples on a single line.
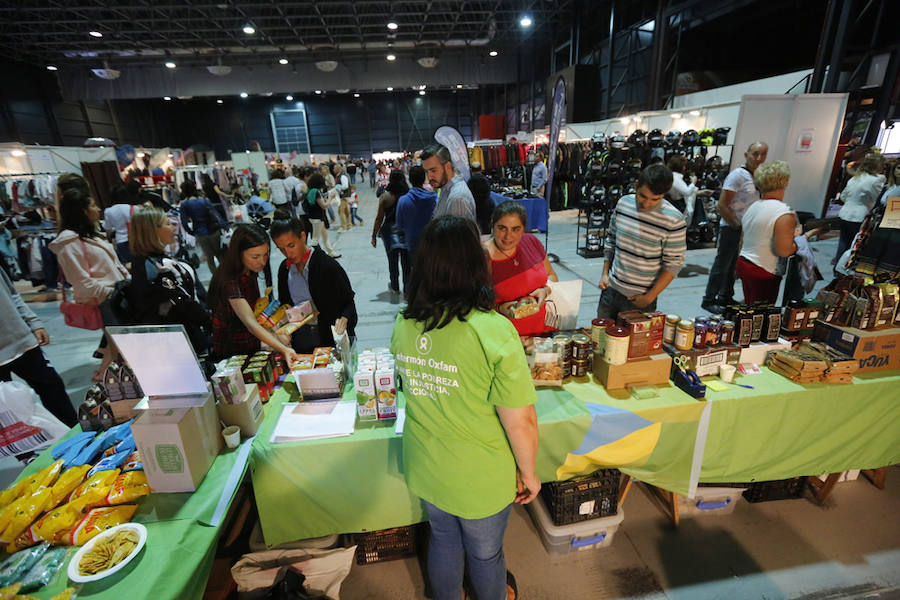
[(584, 535), (709, 501)]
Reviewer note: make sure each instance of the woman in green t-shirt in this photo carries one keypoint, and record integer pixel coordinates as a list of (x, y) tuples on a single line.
[(470, 438)]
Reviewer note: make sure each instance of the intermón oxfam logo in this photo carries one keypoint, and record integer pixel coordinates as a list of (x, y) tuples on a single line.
[(423, 344)]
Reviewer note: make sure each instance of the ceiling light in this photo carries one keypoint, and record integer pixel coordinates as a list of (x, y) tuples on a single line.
[(493, 53), (392, 25), (220, 101), (219, 70), (18, 153), (282, 61), (675, 115), (95, 34), (318, 91), (244, 94), (171, 155), (167, 98), (421, 92), (525, 21), (459, 86), (391, 57), (52, 68), (390, 89), (356, 95), (624, 120), (170, 65), (289, 98), (249, 29), (695, 113), (327, 65)]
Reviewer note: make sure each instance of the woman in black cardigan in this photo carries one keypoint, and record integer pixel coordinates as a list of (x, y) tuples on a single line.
[(308, 273)]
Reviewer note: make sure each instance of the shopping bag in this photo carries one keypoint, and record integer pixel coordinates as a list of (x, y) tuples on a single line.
[(256, 573), (562, 304), (25, 425)]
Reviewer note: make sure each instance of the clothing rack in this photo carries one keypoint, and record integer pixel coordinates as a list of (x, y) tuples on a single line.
[(31, 174)]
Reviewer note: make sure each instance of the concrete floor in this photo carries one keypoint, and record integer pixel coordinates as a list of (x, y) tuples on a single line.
[(788, 549)]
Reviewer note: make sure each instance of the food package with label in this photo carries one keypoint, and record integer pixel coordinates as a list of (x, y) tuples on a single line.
[(546, 364), (386, 394), (364, 384)]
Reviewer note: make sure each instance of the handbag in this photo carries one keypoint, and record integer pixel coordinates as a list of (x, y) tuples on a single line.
[(82, 316)]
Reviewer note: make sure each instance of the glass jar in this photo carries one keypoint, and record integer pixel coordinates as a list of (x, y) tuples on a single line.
[(669, 329), (684, 335), (582, 347), (714, 332), (616, 352), (727, 334), (700, 328)]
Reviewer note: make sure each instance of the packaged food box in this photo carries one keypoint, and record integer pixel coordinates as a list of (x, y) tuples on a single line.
[(228, 383), (386, 394), (304, 361), (364, 383), (657, 325)]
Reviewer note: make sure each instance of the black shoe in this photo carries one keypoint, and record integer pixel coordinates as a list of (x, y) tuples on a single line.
[(712, 308)]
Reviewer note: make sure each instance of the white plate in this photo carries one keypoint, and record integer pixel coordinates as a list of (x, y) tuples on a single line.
[(73, 564)]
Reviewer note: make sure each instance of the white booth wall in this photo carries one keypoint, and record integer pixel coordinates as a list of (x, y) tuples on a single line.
[(251, 160), (49, 159)]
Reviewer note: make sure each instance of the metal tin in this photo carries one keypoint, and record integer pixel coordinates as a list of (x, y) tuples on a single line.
[(598, 333), (617, 339), (582, 347), (669, 328), (684, 335)]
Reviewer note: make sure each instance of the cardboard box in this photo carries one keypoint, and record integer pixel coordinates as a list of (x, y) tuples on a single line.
[(706, 361), (875, 350), (756, 352), (178, 445), (639, 326), (248, 414), (653, 370)]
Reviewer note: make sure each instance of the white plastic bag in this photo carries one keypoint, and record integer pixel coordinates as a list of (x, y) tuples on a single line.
[(563, 304), (325, 570), (25, 424)]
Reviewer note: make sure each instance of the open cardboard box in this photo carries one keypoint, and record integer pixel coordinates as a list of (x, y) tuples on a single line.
[(653, 370)]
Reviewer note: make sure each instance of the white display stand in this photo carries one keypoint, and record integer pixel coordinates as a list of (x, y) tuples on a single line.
[(801, 129)]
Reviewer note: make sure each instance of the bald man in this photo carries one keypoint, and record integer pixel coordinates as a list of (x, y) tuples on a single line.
[(738, 193)]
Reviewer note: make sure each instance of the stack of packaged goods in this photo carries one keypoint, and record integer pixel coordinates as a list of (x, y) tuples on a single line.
[(92, 486), (375, 382), (814, 362), (263, 368)]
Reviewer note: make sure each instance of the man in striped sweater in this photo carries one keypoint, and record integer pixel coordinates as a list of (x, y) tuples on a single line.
[(644, 246)]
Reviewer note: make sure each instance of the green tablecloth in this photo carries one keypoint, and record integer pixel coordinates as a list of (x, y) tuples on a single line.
[(178, 555), (777, 430)]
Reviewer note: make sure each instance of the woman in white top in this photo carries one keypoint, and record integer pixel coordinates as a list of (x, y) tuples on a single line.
[(277, 192), (859, 196), (769, 229), (117, 218), (682, 192)]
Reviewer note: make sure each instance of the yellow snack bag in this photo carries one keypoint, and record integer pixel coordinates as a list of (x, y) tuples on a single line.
[(47, 475), (10, 591), (128, 487), (95, 522), (61, 518), (67, 482), (101, 479), (12, 493), (25, 514), (66, 594)]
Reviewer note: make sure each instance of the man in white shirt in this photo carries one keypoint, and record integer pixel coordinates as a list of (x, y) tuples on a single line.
[(738, 193), (455, 197), (291, 182), (117, 218)]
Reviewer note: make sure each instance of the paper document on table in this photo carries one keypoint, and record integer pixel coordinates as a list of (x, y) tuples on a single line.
[(401, 420), (296, 424)]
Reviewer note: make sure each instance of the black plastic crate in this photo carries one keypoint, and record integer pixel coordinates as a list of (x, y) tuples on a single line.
[(385, 544), (783, 489), (583, 498)]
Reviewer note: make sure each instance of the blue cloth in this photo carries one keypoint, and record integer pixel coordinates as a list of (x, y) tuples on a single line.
[(414, 210), (535, 210), (456, 541), (195, 216)]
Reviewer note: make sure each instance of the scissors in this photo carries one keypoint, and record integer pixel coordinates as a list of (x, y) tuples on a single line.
[(681, 361)]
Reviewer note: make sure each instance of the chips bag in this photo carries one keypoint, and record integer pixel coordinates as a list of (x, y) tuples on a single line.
[(15, 567), (66, 594), (68, 481), (95, 522), (128, 487), (101, 479), (133, 463), (44, 569), (61, 518), (9, 592), (27, 511)]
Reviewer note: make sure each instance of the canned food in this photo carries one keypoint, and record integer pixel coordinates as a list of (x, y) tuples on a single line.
[(582, 347)]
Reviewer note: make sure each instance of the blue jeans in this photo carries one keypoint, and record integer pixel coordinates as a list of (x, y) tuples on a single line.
[(456, 541), (354, 215), (352, 178), (398, 259), (613, 302)]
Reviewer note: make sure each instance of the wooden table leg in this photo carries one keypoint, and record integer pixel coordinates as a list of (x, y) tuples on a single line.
[(823, 488), (669, 501), (624, 488), (876, 476)]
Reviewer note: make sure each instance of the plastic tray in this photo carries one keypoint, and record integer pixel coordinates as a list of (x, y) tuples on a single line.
[(585, 535)]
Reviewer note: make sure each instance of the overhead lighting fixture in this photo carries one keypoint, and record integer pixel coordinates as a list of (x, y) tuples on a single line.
[(493, 53), (525, 21), (327, 65), (220, 101), (318, 91), (95, 34), (249, 29), (624, 120), (167, 98), (675, 115), (289, 98), (170, 65), (459, 86), (391, 57), (282, 61), (392, 25), (695, 113), (244, 94), (219, 70), (390, 89), (356, 95), (52, 68), (18, 153), (421, 92)]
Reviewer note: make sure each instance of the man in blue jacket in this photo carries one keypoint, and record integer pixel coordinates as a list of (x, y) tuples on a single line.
[(414, 209), (202, 220)]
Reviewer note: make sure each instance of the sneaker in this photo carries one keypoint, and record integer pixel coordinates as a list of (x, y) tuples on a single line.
[(712, 308), (334, 254), (394, 290)]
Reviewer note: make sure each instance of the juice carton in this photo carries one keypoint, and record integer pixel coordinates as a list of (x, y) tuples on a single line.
[(386, 394), (364, 383)]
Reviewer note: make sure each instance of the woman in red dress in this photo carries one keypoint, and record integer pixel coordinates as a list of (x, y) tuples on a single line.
[(519, 266)]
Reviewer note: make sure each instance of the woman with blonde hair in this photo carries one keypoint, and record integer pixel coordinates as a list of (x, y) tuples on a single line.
[(165, 291), (859, 196)]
